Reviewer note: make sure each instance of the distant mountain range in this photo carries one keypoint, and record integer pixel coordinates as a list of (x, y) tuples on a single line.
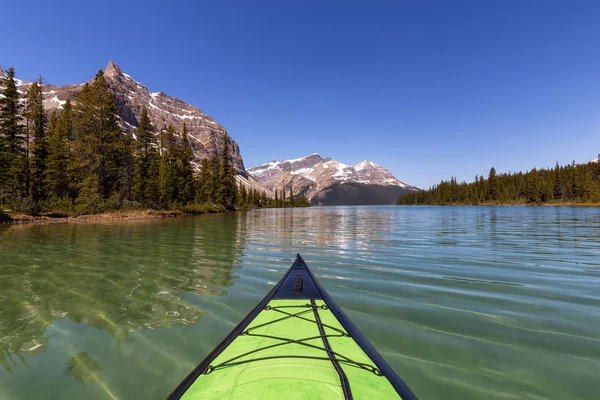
[(325, 181)]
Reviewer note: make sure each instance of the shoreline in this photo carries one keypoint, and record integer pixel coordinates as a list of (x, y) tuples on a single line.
[(565, 204), (61, 217), (108, 216), (127, 215)]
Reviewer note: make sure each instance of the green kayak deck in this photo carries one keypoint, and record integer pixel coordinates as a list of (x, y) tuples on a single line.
[(296, 344)]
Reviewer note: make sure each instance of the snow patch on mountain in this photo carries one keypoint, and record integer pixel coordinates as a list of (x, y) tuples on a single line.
[(362, 165), (133, 80), (302, 171), (61, 103), (313, 173)]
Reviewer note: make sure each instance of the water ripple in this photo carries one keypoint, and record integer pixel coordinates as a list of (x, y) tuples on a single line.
[(464, 302)]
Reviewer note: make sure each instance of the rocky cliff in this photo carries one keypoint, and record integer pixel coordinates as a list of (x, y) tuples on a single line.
[(330, 182), (206, 134)]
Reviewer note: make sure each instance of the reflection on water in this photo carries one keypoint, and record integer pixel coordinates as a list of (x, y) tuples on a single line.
[(104, 277), (464, 302)]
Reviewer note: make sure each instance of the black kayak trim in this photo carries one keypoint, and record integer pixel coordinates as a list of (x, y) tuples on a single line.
[(334, 361), (309, 288)]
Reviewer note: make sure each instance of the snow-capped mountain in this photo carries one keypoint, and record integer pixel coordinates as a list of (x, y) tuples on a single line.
[(206, 134), (327, 181)]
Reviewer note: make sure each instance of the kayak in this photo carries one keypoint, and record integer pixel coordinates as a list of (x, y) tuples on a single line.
[(295, 344)]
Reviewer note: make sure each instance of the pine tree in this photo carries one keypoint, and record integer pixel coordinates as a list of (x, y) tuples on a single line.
[(114, 150), (203, 192), (482, 188), (243, 195), (276, 198), (545, 187), (251, 200), (531, 188), (37, 119), (215, 171), (89, 200), (143, 147), (13, 147), (126, 160), (168, 171), (101, 152), (582, 185), (283, 200), (56, 176), (152, 187), (263, 199), (147, 162), (291, 197), (85, 165), (226, 191), (493, 185), (255, 198), (557, 184), (185, 170)]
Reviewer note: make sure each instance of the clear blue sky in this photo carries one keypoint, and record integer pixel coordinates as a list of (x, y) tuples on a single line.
[(428, 89)]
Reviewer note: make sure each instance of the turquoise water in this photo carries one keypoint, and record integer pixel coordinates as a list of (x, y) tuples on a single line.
[(464, 302)]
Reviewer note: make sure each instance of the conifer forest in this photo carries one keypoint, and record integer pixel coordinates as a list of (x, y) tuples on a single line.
[(77, 160), (570, 184)]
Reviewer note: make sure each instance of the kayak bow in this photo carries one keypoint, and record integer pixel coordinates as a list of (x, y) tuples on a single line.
[(296, 344)]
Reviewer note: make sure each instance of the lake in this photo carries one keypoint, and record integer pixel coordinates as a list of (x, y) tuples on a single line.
[(463, 302)]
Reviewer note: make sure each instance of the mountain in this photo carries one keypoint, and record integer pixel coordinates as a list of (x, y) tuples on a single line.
[(206, 134), (325, 181)]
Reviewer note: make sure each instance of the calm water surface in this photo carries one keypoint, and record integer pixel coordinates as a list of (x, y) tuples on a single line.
[(464, 302)]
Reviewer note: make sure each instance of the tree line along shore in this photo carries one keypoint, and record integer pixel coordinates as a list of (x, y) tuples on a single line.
[(77, 161), (572, 185)]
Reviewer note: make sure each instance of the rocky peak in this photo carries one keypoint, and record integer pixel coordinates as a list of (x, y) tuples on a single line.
[(206, 135), (310, 160), (300, 163), (112, 70), (364, 164), (314, 175), (2, 72)]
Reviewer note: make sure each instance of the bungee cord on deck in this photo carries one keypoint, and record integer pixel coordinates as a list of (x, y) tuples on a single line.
[(332, 355)]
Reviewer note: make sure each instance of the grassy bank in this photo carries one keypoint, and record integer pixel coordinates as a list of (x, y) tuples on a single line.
[(61, 216)]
